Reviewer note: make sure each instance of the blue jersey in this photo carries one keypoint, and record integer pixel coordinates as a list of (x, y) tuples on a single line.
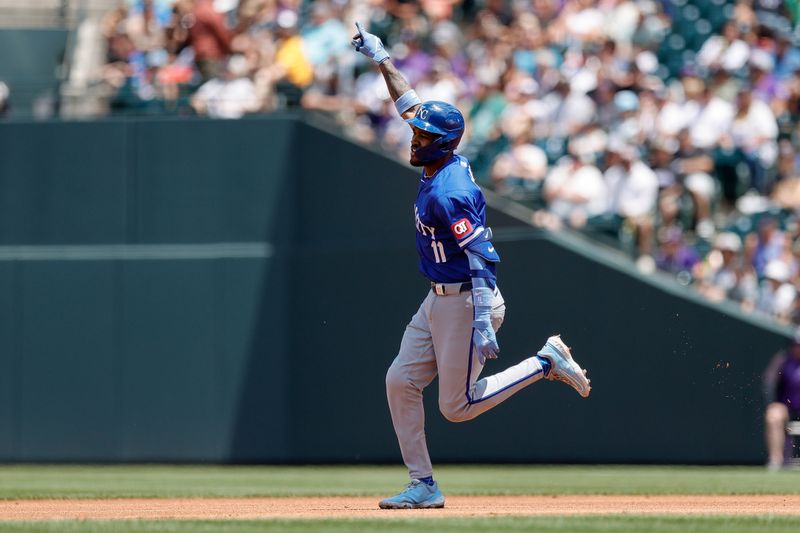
[(450, 212)]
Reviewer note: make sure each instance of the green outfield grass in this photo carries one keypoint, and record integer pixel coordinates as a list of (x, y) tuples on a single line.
[(26, 481), (630, 524)]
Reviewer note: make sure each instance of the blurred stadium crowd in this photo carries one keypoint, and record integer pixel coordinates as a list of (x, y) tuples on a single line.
[(666, 128)]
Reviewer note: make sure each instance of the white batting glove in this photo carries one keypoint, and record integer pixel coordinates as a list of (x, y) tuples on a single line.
[(483, 336), (369, 45)]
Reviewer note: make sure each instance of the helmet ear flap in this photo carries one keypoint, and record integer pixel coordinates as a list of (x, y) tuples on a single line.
[(454, 139), (432, 152), (444, 145)]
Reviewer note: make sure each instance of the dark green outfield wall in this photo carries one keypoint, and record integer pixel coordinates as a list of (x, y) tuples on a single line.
[(234, 291)]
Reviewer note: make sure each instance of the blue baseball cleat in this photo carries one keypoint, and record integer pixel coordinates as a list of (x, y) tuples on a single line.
[(564, 368), (416, 495)]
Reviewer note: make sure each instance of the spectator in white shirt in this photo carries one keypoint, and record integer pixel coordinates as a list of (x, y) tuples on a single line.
[(776, 295), (713, 119), (575, 190), (519, 170), (755, 131), (677, 113), (231, 96), (726, 51), (633, 190)]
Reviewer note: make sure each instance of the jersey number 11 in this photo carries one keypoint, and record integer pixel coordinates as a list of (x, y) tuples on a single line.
[(438, 251)]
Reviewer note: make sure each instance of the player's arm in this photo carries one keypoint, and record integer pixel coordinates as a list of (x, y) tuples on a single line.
[(480, 252), (475, 241), (404, 97)]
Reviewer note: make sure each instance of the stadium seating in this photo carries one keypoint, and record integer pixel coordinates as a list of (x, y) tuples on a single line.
[(32, 14), (41, 34)]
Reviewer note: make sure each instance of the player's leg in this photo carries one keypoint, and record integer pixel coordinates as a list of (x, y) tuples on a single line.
[(462, 396), (412, 370), (775, 420)]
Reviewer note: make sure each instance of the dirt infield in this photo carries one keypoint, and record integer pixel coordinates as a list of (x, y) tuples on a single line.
[(366, 507)]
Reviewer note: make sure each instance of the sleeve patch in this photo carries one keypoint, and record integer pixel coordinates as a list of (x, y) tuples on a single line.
[(461, 228)]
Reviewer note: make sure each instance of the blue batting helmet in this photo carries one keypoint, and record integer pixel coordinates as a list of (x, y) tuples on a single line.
[(442, 119)]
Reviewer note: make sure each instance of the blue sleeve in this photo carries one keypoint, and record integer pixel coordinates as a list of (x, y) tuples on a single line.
[(461, 213)]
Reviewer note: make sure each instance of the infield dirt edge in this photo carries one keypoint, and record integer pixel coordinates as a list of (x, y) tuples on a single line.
[(366, 507)]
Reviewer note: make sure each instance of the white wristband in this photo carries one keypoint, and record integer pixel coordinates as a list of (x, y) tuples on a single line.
[(408, 100)]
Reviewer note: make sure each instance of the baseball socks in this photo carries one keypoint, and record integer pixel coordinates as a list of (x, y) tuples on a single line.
[(546, 365), (427, 480)]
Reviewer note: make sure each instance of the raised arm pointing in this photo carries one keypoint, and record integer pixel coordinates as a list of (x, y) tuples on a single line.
[(405, 98)]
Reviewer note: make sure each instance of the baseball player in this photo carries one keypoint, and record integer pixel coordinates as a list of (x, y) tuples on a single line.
[(453, 332)]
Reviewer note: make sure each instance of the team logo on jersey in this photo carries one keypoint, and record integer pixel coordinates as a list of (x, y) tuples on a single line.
[(461, 228), (422, 227)]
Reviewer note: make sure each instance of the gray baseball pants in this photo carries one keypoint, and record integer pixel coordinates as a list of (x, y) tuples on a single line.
[(439, 340)]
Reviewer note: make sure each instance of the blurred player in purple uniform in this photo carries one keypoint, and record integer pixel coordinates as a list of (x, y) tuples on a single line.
[(782, 383)]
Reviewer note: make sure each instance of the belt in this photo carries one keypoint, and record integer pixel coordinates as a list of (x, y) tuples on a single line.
[(448, 289)]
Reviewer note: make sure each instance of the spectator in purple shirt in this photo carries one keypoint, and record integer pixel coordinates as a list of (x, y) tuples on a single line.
[(782, 386), (770, 243), (413, 60), (674, 255)]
